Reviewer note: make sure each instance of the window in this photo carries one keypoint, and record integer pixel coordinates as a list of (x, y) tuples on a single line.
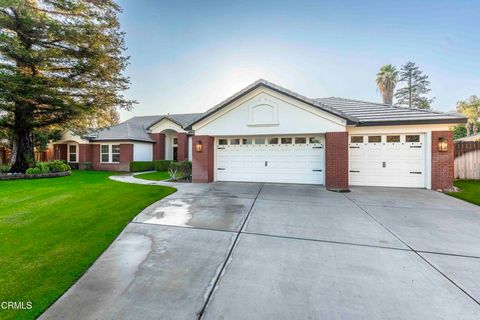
[(393, 138), (286, 140), (247, 141), (412, 138), (356, 139), (72, 153), (259, 140), (374, 139), (104, 153), (116, 153), (109, 153), (234, 141), (272, 140), (222, 142), (300, 140), (314, 140), (175, 141)]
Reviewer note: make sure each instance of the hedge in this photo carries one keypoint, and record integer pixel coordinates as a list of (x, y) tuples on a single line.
[(162, 165), (138, 166)]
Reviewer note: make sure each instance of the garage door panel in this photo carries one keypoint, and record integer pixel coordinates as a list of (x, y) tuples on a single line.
[(398, 164), (289, 163)]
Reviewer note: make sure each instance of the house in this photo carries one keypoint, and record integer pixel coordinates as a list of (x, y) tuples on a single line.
[(267, 133)]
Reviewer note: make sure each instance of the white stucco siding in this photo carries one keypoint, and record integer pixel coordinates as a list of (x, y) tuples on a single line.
[(265, 112), (166, 125), (190, 150), (142, 151)]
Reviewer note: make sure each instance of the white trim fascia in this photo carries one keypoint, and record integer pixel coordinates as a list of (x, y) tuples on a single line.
[(237, 103)]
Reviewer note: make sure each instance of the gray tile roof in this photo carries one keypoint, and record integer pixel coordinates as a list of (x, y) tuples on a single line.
[(371, 113), (136, 128), (277, 88), (355, 112)]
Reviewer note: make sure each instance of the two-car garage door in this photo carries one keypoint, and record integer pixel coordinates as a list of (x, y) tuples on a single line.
[(297, 159), (393, 160)]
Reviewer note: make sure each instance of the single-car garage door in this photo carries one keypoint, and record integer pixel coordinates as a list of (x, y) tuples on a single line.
[(297, 159), (392, 160)]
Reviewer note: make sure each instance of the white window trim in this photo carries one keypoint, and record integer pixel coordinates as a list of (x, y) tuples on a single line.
[(110, 154), (76, 152)]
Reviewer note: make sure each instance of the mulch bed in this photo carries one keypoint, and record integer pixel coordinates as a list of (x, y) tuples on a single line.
[(34, 176)]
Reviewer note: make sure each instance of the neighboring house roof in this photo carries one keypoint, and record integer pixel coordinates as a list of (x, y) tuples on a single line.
[(136, 128), (475, 137), (371, 113)]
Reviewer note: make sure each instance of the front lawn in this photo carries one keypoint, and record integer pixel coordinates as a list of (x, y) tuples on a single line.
[(52, 230), (154, 176), (469, 191)]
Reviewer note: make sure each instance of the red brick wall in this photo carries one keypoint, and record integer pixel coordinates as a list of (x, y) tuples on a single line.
[(202, 162), (60, 152), (158, 146), (442, 162), (126, 156), (182, 147), (84, 153), (336, 161)]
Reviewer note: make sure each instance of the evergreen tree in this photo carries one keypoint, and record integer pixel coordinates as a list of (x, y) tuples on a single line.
[(60, 60), (416, 88)]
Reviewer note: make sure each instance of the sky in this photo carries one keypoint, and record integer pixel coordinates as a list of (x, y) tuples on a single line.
[(187, 56)]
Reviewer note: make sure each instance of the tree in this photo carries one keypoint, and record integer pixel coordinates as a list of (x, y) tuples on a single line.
[(60, 60), (470, 108), (387, 79), (417, 86)]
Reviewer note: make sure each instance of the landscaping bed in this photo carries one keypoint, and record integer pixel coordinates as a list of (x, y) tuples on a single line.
[(34, 176)]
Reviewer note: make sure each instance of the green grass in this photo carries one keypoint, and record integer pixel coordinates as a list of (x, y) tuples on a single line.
[(469, 191), (155, 176), (52, 230)]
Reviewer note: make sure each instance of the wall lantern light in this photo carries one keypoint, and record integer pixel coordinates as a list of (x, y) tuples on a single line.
[(442, 145), (199, 146)]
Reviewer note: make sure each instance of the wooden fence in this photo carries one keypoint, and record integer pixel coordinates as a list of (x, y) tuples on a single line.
[(467, 160)]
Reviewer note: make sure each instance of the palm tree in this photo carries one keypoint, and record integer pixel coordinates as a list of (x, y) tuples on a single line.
[(387, 79), (470, 108)]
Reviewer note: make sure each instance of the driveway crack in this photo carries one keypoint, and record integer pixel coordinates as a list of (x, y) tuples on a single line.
[(201, 313)]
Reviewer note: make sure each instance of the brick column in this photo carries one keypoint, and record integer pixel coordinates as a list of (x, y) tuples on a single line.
[(336, 161), (84, 153), (126, 156), (158, 146), (442, 162), (202, 162), (182, 147)]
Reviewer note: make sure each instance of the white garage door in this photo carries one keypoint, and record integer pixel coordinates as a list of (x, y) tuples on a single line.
[(271, 159), (393, 160)]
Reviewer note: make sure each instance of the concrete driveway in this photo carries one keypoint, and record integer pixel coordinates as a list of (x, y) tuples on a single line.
[(273, 251)]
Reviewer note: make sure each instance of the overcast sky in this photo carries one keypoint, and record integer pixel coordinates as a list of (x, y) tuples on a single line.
[(187, 56)]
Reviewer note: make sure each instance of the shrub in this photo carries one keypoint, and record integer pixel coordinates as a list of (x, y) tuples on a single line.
[(87, 165), (58, 166), (4, 168), (174, 170), (43, 166), (138, 166), (33, 171), (180, 170), (186, 169), (161, 165)]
